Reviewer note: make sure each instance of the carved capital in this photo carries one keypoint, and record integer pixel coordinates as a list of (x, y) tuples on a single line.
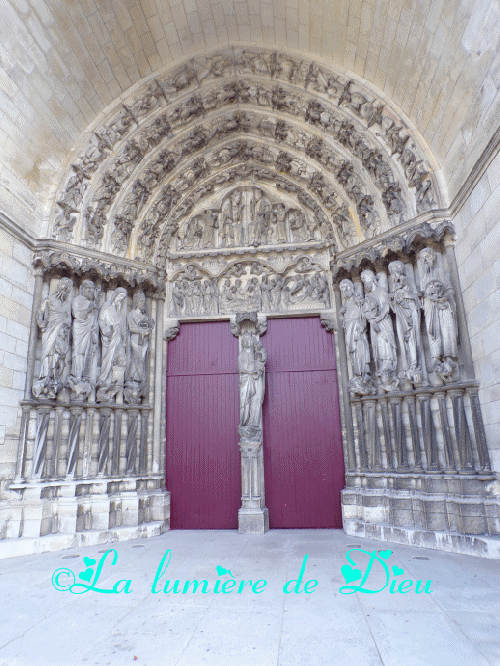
[(171, 329)]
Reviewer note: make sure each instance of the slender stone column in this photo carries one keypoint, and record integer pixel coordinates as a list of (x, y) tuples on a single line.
[(451, 463), (372, 435), (117, 441), (131, 449), (428, 433), (480, 435), (154, 465), (74, 440), (415, 439), (37, 297), (463, 329), (40, 449), (253, 516), (344, 379)]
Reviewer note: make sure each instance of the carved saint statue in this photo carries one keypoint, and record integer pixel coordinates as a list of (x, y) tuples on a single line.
[(404, 303), (376, 311), (113, 325), (85, 340), (439, 312), (54, 320), (356, 341), (140, 327), (251, 366)]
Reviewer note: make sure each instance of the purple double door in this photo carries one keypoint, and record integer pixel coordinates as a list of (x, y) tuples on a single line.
[(303, 460)]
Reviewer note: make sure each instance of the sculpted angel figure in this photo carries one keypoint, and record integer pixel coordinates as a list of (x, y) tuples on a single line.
[(376, 311), (251, 366)]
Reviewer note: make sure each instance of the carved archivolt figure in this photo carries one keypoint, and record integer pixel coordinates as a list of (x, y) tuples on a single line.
[(376, 311), (113, 325), (54, 320), (439, 311), (85, 339), (405, 304), (251, 366), (140, 327), (356, 341)]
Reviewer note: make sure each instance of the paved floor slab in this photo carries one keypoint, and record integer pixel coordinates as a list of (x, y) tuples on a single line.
[(364, 611)]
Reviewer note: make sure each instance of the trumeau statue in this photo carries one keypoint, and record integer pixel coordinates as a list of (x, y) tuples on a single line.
[(54, 320), (140, 327), (85, 340), (439, 311), (113, 325), (376, 311), (356, 341), (251, 366), (404, 302)]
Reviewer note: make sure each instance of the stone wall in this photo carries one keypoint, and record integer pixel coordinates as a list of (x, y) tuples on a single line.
[(478, 258), (16, 295)]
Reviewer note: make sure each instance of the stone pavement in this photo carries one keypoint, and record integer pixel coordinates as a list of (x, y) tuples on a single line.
[(457, 623)]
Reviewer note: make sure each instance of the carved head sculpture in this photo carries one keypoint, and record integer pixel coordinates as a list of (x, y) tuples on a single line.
[(247, 341), (368, 279), (396, 268), (139, 301), (346, 288), (87, 289), (119, 296), (428, 257), (64, 287)]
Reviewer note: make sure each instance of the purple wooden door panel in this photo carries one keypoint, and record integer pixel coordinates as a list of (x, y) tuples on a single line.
[(303, 459), (298, 344), (203, 349), (203, 459)]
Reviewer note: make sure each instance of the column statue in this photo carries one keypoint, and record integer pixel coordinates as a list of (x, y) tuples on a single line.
[(440, 320), (113, 326), (251, 366), (54, 320), (140, 327), (356, 341), (85, 340), (404, 302), (376, 311)]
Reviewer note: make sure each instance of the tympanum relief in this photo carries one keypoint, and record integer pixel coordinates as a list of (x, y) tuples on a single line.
[(250, 285), (249, 218)]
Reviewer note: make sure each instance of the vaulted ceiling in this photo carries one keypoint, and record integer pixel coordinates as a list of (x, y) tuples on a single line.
[(64, 62)]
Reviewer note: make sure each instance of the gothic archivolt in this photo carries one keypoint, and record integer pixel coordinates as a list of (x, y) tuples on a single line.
[(323, 131)]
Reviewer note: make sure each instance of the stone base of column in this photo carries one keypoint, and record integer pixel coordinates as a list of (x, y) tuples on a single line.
[(253, 521)]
